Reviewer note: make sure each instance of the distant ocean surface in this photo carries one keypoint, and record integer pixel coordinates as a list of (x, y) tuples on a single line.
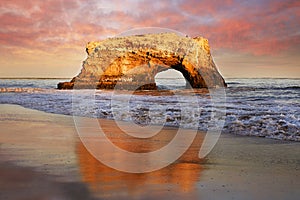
[(256, 107)]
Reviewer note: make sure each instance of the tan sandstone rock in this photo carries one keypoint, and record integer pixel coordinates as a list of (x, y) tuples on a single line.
[(131, 62)]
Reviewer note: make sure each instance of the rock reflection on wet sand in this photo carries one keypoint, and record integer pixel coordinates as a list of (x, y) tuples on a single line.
[(177, 178)]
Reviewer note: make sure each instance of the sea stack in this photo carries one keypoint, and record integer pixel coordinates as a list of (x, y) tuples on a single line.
[(131, 62)]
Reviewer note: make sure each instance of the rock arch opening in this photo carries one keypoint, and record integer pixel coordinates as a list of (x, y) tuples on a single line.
[(170, 79)]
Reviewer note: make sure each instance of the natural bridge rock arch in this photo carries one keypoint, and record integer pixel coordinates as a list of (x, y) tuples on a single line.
[(132, 62)]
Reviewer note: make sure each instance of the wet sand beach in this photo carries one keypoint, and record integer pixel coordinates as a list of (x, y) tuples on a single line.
[(42, 157)]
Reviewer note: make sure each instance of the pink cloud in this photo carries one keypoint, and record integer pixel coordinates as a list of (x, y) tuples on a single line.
[(204, 7), (256, 27), (262, 28)]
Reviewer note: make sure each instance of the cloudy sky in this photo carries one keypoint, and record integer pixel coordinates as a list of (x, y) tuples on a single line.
[(47, 38)]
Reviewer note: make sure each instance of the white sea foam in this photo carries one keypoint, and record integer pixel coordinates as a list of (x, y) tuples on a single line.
[(259, 107)]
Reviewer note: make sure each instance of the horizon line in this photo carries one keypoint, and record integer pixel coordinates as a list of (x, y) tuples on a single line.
[(157, 78)]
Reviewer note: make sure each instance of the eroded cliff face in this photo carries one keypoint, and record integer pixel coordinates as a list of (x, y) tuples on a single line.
[(132, 62)]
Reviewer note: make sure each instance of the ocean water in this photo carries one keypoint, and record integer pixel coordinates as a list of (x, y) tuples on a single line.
[(256, 107)]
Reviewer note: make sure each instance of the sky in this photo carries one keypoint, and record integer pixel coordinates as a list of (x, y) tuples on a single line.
[(47, 38)]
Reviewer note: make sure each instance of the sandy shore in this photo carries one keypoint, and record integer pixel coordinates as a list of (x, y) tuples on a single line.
[(41, 157)]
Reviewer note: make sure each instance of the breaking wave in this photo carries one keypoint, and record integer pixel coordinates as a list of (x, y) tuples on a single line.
[(256, 107)]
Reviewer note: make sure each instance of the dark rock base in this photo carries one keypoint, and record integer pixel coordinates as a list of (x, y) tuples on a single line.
[(107, 85)]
